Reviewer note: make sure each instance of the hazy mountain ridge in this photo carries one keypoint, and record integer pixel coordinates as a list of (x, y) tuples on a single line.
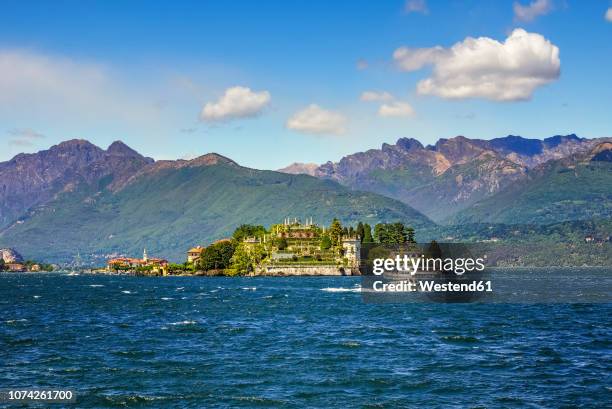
[(576, 187), (451, 175)]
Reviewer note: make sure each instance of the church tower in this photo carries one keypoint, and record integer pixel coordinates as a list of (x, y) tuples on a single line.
[(144, 256)]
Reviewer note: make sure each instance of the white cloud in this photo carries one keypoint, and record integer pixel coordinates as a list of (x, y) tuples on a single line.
[(486, 68), (58, 90), (396, 109), (23, 136), (609, 15), (25, 133), (412, 59), (531, 11), (416, 6), (368, 96), (236, 102), (316, 120), (33, 81)]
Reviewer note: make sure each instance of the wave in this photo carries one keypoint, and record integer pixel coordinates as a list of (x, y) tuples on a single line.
[(249, 288), (167, 298), (186, 322), (14, 321), (341, 290), (126, 292), (95, 285)]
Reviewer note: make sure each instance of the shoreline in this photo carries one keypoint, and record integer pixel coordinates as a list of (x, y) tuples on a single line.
[(104, 273)]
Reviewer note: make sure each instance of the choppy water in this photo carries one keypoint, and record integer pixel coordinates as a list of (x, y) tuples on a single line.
[(293, 342)]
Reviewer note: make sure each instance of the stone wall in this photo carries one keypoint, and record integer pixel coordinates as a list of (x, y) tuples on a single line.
[(303, 270)]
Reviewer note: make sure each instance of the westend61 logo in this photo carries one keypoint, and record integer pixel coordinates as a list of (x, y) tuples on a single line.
[(423, 272)]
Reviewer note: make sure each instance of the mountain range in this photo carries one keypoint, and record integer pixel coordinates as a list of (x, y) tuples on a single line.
[(115, 201), (77, 197), (444, 179)]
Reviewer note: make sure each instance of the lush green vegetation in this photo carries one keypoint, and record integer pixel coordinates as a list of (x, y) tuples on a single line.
[(393, 233), (556, 244), (248, 230), (554, 193), (169, 210), (218, 255), (240, 256)]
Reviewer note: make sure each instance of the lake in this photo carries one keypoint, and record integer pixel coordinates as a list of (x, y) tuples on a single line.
[(163, 342)]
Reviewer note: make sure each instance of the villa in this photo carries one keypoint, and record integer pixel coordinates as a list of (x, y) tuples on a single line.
[(292, 247), (194, 254), (304, 255)]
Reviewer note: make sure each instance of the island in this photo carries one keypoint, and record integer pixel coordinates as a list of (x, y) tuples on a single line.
[(291, 248)]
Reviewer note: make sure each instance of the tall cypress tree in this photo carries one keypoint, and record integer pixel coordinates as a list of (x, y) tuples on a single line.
[(360, 231), (410, 233), (367, 234), (335, 232)]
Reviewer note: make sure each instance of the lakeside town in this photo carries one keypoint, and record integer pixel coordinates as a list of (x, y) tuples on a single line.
[(293, 247)]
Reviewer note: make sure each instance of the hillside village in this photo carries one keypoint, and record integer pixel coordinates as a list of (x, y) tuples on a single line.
[(293, 247)]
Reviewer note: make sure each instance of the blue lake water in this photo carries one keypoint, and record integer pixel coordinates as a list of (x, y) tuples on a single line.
[(293, 342)]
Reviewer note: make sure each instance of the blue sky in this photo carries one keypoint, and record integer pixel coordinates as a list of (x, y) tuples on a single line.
[(274, 82)]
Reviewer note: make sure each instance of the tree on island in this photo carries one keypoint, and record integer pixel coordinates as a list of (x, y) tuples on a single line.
[(217, 256), (335, 232), (411, 236), (282, 243), (360, 231), (245, 258), (325, 242), (367, 234), (248, 230), (393, 233), (2, 266)]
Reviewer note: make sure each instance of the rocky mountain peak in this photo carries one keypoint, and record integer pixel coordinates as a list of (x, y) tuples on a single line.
[(459, 149), (517, 144), (75, 145), (32, 179), (602, 152), (210, 159), (409, 144), (120, 148), (298, 168), (556, 140)]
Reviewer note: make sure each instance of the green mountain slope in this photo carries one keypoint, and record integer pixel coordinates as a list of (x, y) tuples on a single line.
[(560, 190), (171, 206)]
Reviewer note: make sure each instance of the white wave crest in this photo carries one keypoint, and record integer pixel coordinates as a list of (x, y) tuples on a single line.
[(183, 323), (341, 290)]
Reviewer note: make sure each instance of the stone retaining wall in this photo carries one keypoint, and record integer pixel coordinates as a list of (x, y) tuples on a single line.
[(305, 270)]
